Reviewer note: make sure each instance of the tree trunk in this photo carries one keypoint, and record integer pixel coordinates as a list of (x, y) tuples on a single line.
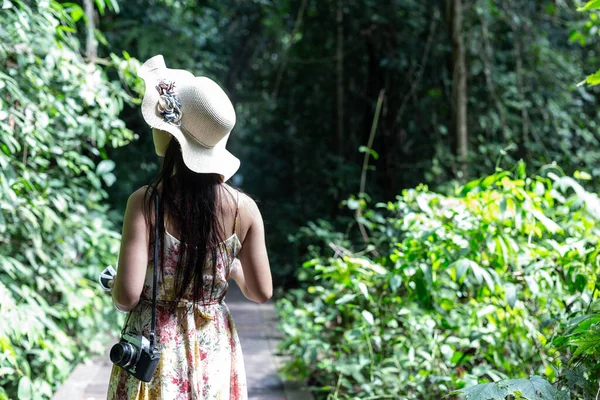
[(459, 85), (340, 77), (91, 44), (521, 85), (487, 56)]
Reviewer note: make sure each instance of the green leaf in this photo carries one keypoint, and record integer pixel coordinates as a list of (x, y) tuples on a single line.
[(461, 267), (109, 179), (24, 390), (101, 5), (76, 12), (368, 317), (470, 186), (114, 5), (589, 343), (510, 294), (424, 204), (534, 388), (481, 274), (591, 80), (590, 5), (488, 181), (533, 285), (457, 356), (486, 391), (64, 28), (582, 175), (345, 298), (365, 149), (550, 225), (395, 282), (353, 204), (105, 166), (363, 289)]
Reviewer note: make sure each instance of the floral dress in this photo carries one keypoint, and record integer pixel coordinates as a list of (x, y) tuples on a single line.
[(200, 352)]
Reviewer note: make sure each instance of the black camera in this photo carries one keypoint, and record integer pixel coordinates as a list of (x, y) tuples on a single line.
[(133, 354)]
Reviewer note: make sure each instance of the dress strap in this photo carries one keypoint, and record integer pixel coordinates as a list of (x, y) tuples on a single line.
[(237, 209)]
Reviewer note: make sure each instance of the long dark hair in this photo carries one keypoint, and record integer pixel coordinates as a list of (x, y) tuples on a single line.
[(191, 203)]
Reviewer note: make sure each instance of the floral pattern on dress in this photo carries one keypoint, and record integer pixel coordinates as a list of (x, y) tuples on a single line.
[(200, 353)]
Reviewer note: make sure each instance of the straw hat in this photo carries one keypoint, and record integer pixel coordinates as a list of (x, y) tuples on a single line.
[(195, 110)]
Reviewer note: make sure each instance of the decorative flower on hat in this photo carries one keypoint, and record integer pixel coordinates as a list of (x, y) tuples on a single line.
[(168, 104)]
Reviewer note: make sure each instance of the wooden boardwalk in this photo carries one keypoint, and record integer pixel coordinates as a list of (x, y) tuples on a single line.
[(256, 325)]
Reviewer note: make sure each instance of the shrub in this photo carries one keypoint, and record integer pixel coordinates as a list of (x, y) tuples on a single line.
[(57, 115), (465, 289)]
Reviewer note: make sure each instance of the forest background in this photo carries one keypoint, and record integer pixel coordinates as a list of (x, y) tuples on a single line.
[(305, 78), (341, 105)]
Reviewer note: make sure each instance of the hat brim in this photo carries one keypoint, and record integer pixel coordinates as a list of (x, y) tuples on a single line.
[(198, 158), (216, 160)]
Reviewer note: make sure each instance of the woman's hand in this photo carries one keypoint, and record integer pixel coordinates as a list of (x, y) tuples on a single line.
[(235, 270)]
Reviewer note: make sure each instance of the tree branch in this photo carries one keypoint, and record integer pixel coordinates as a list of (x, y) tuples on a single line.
[(365, 166)]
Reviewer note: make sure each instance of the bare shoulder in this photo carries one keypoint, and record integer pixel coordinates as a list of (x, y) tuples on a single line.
[(137, 203), (248, 205), (137, 198)]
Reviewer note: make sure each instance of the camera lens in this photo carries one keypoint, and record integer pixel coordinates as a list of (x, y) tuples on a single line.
[(121, 354)]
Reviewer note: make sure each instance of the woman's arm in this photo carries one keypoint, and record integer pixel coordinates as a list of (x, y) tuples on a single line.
[(236, 273), (255, 278), (133, 256)]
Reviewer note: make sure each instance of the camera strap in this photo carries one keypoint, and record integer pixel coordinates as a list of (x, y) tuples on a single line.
[(155, 275)]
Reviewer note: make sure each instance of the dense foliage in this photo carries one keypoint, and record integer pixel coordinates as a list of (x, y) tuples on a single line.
[(305, 75), (581, 339), (494, 282), (58, 113), (457, 290)]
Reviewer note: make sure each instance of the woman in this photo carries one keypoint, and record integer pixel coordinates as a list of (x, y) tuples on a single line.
[(204, 224)]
